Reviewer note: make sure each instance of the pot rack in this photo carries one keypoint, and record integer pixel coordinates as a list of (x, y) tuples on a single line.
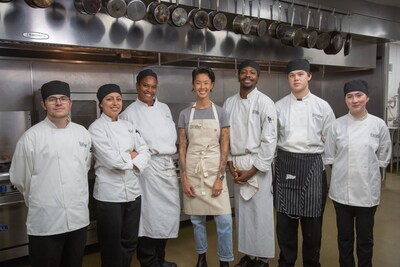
[(318, 8)]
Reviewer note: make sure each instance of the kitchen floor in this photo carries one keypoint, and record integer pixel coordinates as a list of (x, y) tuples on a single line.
[(386, 251)]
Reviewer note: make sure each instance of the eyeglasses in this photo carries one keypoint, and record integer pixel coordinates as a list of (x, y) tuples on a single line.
[(53, 100)]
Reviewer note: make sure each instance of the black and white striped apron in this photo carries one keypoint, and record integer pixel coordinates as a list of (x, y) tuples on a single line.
[(299, 186)]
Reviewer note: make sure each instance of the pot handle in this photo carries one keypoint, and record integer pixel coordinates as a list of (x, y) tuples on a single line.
[(308, 17)]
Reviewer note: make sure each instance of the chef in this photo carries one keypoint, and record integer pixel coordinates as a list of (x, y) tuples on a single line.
[(358, 145), (300, 184), (160, 187), (252, 145), (203, 150), (121, 155), (49, 168)]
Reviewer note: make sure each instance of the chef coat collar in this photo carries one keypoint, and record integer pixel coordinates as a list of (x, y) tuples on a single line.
[(145, 104), (105, 117), (253, 93), (307, 96), (51, 124), (353, 119)]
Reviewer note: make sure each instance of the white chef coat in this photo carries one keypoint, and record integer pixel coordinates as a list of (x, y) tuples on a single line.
[(160, 213), (357, 149), (303, 125), (49, 168), (116, 178), (252, 142)]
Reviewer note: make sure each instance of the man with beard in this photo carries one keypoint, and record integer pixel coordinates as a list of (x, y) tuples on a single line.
[(253, 138), (300, 185)]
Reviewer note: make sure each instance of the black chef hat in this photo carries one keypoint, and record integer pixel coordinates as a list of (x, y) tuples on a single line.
[(249, 63), (144, 73), (298, 64), (107, 89), (356, 85), (55, 88)]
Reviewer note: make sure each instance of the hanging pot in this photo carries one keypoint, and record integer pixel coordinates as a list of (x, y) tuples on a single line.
[(135, 10), (308, 36), (258, 26), (39, 3), (271, 31), (115, 8), (289, 34), (198, 18), (88, 7), (178, 15), (348, 41), (241, 23), (157, 12), (335, 43), (217, 20)]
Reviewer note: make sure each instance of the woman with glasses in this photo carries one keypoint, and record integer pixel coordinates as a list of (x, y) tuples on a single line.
[(121, 155), (203, 130)]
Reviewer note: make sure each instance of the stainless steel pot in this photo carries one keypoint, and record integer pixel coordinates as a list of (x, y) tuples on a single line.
[(88, 7), (39, 3), (258, 26), (308, 36), (241, 23), (217, 20), (198, 18), (115, 8), (157, 12), (178, 15), (135, 10)]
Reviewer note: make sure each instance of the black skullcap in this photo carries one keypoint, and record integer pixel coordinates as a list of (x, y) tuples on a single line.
[(298, 64), (107, 89), (356, 85), (144, 73), (55, 88), (249, 63)]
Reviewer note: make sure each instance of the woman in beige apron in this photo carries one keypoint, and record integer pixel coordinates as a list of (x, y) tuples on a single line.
[(203, 149)]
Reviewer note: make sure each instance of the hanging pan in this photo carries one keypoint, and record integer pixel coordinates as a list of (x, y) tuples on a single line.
[(157, 12), (241, 23), (308, 36), (289, 34), (39, 3), (271, 31), (198, 18), (88, 7), (258, 26), (217, 20), (323, 37), (178, 15), (348, 40), (115, 8), (135, 10), (335, 41)]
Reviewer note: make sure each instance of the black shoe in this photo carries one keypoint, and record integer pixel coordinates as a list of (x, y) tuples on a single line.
[(223, 264), (246, 262), (202, 261), (260, 263), (169, 264)]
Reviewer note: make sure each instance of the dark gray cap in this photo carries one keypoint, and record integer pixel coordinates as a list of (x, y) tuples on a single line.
[(107, 89), (356, 85), (55, 88), (298, 64), (249, 63)]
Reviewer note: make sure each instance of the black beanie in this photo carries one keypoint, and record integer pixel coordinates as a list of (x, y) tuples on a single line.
[(356, 85), (298, 64), (249, 63), (55, 88), (107, 89), (144, 73)]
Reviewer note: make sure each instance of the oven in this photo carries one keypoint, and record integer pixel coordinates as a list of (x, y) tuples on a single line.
[(13, 212)]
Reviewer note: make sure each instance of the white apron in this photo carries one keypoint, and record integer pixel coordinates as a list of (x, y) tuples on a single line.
[(160, 199), (202, 167), (254, 217)]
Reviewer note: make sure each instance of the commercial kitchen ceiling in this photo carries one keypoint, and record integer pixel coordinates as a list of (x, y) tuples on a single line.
[(395, 3)]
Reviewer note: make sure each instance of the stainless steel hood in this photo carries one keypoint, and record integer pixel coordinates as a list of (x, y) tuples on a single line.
[(62, 33)]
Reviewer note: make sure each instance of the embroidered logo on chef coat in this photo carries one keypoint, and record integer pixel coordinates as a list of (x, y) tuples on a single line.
[(256, 112), (130, 131), (195, 126), (83, 144), (319, 116), (374, 135)]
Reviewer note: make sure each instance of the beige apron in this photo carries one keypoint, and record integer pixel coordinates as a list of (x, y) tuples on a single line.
[(202, 167)]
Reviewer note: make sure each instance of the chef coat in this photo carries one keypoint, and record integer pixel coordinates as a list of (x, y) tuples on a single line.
[(160, 213), (252, 143), (116, 178), (49, 168), (357, 149), (303, 125)]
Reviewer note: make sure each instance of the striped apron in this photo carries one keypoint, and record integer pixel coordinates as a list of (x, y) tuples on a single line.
[(299, 184)]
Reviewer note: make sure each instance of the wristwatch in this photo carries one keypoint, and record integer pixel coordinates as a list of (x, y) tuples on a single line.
[(222, 177)]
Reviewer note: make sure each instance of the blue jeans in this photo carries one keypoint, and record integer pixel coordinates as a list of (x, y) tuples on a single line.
[(224, 232)]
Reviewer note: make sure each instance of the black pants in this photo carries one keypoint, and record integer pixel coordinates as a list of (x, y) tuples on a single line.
[(287, 232), (117, 231), (65, 249), (151, 251), (363, 218)]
